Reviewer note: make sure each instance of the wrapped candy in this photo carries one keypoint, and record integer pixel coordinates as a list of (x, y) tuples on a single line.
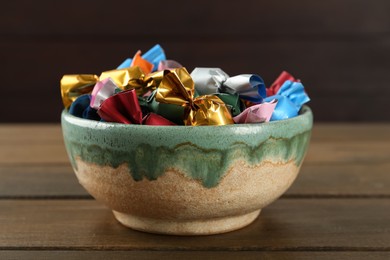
[(154, 119), (149, 89), (144, 65), (258, 113), (134, 78), (102, 90), (291, 96), (283, 77), (124, 108), (155, 55), (73, 86), (214, 80), (232, 102), (168, 65), (81, 108), (171, 112), (177, 87)]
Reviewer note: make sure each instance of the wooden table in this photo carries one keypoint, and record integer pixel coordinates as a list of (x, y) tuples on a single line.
[(339, 207)]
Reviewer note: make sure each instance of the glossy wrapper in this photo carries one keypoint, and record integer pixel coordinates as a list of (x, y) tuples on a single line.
[(155, 119), (168, 65), (214, 80), (177, 87), (73, 86), (142, 63), (81, 108), (149, 89), (257, 114), (134, 78), (155, 55), (171, 112), (232, 102), (121, 108), (283, 77), (102, 90), (291, 96)]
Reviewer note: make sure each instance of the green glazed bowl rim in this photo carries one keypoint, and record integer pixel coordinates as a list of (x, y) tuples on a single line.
[(304, 119)]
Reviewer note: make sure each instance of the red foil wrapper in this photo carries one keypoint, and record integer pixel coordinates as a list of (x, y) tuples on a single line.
[(122, 108), (273, 89), (154, 119)]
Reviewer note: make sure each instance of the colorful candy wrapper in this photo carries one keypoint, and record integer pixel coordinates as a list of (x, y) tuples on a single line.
[(283, 77), (134, 78), (291, 96), (284, 108), (257, 114), (73, 86), (80, 108), (102, 90), (171, 112), (145, 65), (232, 102), (121, 108), (214, 80), (154, 56), (177, 87), (125, 108), (168, 65), (154, 119)]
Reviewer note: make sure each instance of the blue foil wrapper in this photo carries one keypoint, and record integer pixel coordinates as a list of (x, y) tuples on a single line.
[(291, 96), (154, 55), (80, 108)]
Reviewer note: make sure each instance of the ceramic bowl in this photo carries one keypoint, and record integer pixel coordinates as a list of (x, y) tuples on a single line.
[(186, 180)]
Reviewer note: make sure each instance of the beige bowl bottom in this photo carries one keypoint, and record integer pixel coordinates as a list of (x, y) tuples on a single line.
[(189, 227), (177, 204)]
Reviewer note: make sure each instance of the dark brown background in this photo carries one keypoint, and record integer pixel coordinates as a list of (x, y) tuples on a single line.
[(339, 48)]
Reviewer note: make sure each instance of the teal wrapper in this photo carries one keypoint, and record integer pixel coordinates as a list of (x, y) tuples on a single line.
[(233, 103), (171, 112), (144, 106)]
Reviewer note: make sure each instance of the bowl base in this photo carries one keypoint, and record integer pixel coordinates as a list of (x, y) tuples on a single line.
[(186, 227)]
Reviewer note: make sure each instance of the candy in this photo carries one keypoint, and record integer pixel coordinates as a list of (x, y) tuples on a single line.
[(151, 90), (80, 108), (291, 96), (256, 114), (102, 90), (155, 55), (177, 87), (214, 80), (73, 86)]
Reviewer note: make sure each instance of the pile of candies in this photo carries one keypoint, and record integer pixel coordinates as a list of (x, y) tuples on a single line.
[(152, 90)]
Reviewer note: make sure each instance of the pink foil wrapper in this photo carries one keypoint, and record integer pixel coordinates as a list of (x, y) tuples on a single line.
[(102, 90), (256, 114), (168, 65)]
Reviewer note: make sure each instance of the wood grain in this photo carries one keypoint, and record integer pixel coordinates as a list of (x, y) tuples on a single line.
[(248, 255), (288, 225)]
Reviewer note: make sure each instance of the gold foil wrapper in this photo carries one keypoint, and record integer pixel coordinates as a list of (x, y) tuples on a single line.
[(177, 87), (73, 86), (134, 78)]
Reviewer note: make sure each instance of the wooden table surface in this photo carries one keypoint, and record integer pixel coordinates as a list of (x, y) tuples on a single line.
[(339, 207)]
